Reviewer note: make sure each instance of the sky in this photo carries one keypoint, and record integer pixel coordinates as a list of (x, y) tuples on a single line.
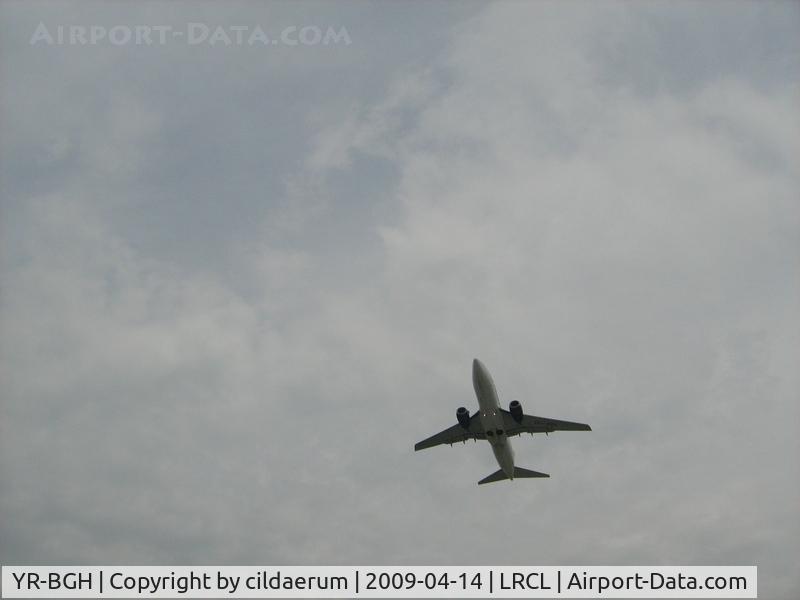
[(239, 282)]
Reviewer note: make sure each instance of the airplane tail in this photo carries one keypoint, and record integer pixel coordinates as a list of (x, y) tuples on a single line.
[(519, 472)]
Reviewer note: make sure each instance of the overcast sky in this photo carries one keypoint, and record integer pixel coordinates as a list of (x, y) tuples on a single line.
[(240, 282)]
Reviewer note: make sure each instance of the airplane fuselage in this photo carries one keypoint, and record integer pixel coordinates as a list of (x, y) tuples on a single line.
[(492, 418)]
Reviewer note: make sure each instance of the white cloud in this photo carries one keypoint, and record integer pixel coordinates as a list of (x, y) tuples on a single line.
[(616, 253), (609, 251)]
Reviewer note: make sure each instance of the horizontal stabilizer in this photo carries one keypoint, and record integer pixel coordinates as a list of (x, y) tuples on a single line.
[(522, 473), (496, 476), (519, 472)]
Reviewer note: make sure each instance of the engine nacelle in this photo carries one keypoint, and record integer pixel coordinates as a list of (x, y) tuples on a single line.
[(462, 414), (515, 408)]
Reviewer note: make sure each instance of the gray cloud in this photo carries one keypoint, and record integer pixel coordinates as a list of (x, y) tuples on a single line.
[(238, 287)]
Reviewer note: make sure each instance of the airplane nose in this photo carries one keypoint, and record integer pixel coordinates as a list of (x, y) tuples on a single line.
[(478, 370)]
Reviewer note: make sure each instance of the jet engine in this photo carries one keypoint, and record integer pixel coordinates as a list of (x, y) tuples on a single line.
[(462, 414), (515, 408)]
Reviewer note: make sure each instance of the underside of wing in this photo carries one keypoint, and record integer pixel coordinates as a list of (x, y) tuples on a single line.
[(456, 433), (533, 424)]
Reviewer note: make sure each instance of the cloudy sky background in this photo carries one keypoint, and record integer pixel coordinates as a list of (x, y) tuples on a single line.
[(238, 284)]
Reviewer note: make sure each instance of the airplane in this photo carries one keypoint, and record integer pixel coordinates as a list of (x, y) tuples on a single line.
[(496, 425)]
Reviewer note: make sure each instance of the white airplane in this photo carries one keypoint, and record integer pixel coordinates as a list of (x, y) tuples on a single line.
[(496, 425)]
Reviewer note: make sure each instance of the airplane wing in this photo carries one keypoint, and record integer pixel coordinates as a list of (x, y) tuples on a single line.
[(454, 434), (532, 424)]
